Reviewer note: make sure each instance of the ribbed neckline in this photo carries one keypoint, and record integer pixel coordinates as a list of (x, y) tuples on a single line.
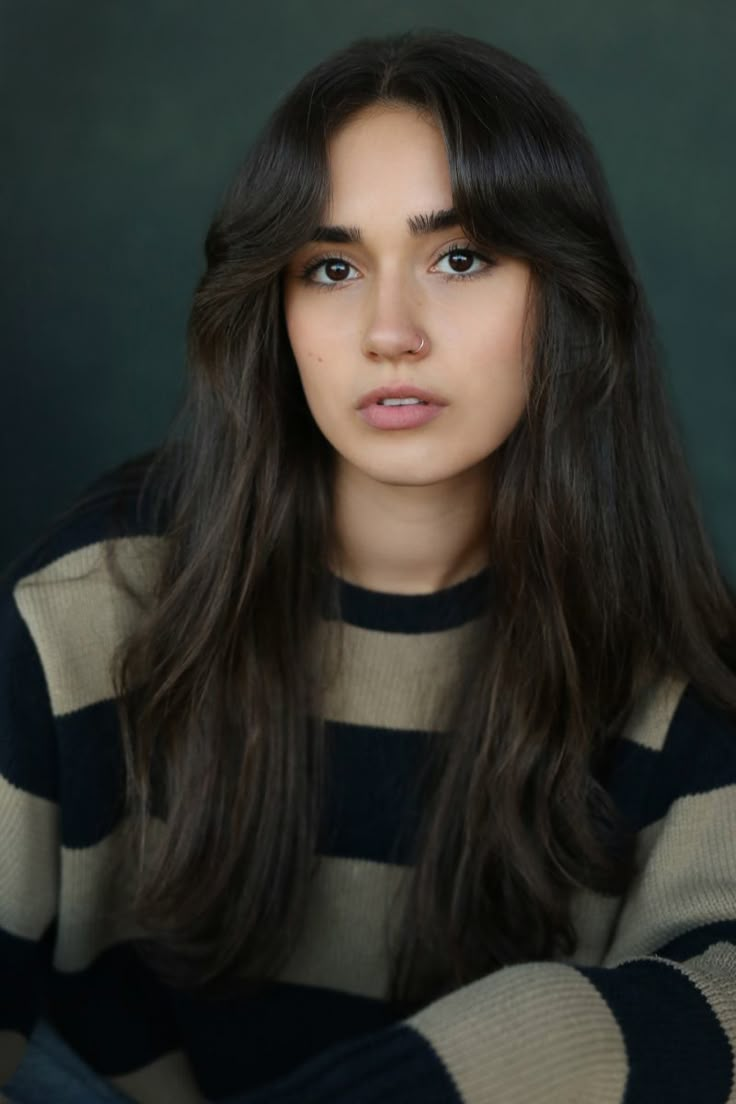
[(441, 609)]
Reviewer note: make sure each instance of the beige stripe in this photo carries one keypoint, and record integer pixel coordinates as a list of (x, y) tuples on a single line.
[(416, 674), (28, 861), (12, 1049), (394, 680), (95, 892), (594, 918), (78, 614), (350, 923), (651, 718), (167, 1079), (688, 878), (343, 944), (539, 1033)]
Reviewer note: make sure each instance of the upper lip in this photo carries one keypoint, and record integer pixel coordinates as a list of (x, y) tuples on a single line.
[(400, 391)]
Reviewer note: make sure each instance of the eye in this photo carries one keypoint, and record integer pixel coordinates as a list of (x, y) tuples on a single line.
[(335, 270), (331, 270), (464, 262)]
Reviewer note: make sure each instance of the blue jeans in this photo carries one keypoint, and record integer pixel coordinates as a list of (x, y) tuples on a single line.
[(51, 1073)]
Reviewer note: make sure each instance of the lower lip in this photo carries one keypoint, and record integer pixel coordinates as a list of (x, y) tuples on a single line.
[(399, 417)]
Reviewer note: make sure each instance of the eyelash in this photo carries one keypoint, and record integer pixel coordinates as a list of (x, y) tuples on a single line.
[(458, 247)]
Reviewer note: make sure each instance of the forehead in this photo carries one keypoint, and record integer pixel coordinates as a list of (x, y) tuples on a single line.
[(386, 163)]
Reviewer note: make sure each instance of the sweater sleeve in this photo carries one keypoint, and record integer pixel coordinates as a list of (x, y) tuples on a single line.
[(64, 953), (653, 1023), (29, 836)]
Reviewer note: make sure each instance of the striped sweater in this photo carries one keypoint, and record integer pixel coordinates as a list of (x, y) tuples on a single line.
[(643, 1012)]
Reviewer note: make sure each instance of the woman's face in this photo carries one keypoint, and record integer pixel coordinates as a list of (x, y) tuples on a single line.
[(360, 308)]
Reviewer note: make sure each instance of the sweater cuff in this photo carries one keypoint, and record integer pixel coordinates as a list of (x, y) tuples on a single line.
[(394, 1066)]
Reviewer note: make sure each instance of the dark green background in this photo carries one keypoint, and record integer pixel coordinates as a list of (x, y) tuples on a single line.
[(123, 121)]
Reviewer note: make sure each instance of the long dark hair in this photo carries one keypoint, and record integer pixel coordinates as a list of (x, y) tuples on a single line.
[(605, 580)]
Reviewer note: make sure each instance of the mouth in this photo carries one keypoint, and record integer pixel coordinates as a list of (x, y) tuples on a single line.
[(400, 416), (400, 394)]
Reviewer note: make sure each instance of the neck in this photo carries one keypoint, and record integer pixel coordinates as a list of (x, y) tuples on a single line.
[(410, 539)]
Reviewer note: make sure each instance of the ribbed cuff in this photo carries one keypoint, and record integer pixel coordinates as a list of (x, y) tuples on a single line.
[(395, 1066)]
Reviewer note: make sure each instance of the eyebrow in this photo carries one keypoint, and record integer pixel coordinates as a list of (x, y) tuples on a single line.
[(418, 225)]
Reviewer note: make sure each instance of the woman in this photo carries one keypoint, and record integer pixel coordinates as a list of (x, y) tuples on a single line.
[(385, 748)]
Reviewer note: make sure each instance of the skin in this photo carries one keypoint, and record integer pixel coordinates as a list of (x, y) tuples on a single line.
[(412, 508)]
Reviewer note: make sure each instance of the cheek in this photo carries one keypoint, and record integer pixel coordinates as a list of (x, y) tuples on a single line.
[(311, 336), (491, 383), (319, 351), (316, 368), (304, 344), (494, 358)]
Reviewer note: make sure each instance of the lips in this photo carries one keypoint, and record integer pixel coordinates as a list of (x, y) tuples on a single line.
[(400, 391), (400, 417)]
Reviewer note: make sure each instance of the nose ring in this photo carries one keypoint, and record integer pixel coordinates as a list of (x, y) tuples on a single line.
[(421, 346)]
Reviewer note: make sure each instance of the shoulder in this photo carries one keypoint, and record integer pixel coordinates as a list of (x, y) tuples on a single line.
[(676, 718), (679, 744), (119, 503), (699, 755), (76, 594)]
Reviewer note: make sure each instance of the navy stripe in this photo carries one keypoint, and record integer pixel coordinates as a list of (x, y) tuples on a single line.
[(627, 776), (398, 1064), (701, 745), (27, 735), (371, 805), (284, 1026), (91, 774), (670, 1031), (415, 613), (692, 943), (24, 965), (699, 756), (112, 1014)]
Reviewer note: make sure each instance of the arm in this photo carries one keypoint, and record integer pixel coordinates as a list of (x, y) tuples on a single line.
[(653, 1023), (28, 837), (58, 859)]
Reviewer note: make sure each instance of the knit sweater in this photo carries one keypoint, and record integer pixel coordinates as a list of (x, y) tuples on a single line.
[(643, 1011)]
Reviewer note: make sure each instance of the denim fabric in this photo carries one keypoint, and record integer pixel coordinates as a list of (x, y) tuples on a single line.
[(51, 1073)]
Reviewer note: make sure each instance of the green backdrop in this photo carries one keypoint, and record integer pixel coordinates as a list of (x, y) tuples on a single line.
[(123, 121)]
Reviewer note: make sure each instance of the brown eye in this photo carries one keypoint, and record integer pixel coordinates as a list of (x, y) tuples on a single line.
[(461, 260), (464, 263), (336, 269), (328, 272)]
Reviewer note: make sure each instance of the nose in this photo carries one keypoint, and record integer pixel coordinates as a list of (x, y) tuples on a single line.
[(393, 326)]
